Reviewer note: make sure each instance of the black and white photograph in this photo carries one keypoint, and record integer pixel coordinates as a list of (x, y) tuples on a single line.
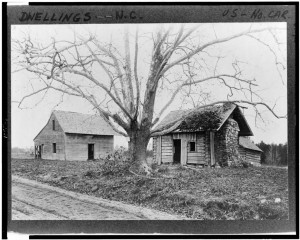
[(148, 121)]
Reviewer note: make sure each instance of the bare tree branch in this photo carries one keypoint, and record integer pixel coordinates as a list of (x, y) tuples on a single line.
[(213, 42), (189, 82), (137, 85)]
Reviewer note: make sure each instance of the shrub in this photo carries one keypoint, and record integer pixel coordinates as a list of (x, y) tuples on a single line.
[(240, 164), (119, 154), (246, 164), (114, 167), (154, 166), (91, 174), (163, 169), (271, 212)]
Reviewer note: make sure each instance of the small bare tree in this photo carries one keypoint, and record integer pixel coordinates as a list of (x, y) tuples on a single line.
[(107, 76)]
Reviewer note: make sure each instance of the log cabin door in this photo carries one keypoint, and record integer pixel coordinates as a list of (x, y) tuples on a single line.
[(177, 150), (90, 151)]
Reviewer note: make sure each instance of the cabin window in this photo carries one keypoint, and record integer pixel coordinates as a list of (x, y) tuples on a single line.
[(54, 147), (53, 125), (192, 146)]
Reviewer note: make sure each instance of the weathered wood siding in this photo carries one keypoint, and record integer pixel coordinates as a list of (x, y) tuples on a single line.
[(207, 149), (77, 146), (250, 155), (197, 157), (188, 157), (154, 149), (47, 137), (184, 150), (163, 149), (166, 149), (212, 148)]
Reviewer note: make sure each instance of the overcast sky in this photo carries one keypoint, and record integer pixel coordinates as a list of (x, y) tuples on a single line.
[(257, 60)]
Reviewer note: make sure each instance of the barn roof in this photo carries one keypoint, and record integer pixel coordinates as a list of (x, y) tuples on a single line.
[(175, 119), (72, 122), (247, 143)]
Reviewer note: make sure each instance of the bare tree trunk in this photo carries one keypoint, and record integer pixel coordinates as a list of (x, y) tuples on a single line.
[(137, 146)]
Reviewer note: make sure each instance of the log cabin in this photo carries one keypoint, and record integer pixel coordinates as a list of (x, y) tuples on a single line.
[(74, 136), (217, 134)]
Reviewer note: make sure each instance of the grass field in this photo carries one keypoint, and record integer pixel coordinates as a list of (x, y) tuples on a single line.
[(208, 193)]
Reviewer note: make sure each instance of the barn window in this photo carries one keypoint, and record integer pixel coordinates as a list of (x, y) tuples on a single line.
[(192, 146), (53, 125), (54, 147)]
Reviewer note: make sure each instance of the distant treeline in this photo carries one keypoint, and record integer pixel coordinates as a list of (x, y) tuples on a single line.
[(273, 154), (21, 150)]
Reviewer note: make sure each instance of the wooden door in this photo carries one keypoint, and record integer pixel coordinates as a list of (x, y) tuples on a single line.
[(90, 151), (177, 150)]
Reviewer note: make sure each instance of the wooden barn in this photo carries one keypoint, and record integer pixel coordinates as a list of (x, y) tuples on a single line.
[(205, 136), (74, 136)]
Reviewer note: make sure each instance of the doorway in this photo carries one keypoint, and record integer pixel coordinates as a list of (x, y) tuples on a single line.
[(38, 151), (177, 150), (90, 151)]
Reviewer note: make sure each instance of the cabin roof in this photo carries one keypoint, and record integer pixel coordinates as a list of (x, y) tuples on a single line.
[(247, 143), (73, 122), (174, 119)]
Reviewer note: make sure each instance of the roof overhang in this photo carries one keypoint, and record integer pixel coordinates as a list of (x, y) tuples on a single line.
[(238, 116)]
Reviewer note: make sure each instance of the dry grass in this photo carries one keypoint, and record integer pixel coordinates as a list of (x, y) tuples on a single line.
[(225, 193)]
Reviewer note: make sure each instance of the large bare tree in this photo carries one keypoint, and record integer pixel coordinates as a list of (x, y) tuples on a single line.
[(107, 76)]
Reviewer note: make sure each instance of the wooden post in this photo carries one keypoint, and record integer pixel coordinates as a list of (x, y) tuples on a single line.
[(183, 150), (212, 148), (34, 151), (158, 150)]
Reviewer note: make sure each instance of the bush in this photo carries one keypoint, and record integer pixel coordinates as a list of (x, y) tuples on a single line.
[(114, 167), (91, 174), (119, 154), (163, 169), (113, 164), (271, 212), (154, 166), (246, 164), (240, 164)]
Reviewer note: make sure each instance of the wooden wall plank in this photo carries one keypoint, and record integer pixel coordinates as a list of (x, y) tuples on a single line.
[(158, 152), (196, 154), (183, 151), (193, 161), (167, 148), (199, 155)]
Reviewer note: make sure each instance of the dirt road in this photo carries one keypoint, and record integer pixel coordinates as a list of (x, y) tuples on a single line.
[(30, 202), (36, 201)]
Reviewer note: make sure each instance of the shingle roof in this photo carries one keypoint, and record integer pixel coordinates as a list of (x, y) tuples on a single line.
[(176, 117), (247, 143), (172, 117), (72, 122)]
